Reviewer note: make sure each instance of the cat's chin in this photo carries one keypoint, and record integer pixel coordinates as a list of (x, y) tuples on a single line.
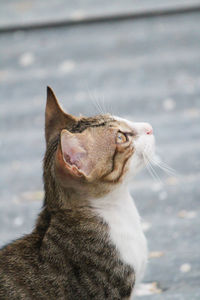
[(144, 153)]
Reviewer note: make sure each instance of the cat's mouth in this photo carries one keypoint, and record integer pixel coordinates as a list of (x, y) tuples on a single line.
[(145, 147), (144, 153)]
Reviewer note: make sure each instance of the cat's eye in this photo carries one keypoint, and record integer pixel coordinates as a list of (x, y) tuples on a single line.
[(121, 138)]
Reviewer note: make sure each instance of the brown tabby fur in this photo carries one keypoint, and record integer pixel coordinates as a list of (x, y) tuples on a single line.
[(68, 255)]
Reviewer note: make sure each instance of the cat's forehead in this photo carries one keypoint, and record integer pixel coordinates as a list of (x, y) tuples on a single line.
[(123, 124), (102, 121), (96, 121)]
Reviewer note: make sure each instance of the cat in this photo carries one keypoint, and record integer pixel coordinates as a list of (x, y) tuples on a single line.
[(87, 242)]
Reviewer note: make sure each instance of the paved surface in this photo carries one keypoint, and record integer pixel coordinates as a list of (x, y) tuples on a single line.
[(147, 70), (28, 11)]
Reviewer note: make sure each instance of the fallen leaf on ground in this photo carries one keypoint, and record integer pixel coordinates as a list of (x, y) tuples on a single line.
[(184, 268), (156, 254), (145, 289), (187, 214), (146, 226), (30, 196)]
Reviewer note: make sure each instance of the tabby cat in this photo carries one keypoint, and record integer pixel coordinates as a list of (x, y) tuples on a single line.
[(87, 242)]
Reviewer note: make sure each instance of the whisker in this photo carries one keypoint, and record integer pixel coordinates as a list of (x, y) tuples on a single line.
[(112, 110), (150, 172), (152, 169), (107, 106), (167, 167), (160, 162), (155, 161), (99, 104), (170, 172), (94, 102), (163, 166), (146, 165), (104, 105)]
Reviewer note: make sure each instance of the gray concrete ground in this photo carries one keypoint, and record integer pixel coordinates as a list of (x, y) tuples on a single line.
[(147, 70), (18, 12)]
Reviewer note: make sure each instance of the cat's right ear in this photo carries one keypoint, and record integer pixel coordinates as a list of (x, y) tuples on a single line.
[(55, 118)]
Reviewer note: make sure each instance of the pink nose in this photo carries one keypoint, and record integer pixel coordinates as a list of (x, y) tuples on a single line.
[(149, 129), (141, 128)]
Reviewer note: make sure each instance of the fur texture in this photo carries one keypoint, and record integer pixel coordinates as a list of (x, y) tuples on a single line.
[(118, 210), (87, 242)]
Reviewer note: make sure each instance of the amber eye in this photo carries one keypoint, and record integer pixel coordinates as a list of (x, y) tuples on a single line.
[(121, 138)]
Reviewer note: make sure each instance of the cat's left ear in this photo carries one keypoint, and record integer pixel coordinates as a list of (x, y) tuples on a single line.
[(72, 157), (55, 118)]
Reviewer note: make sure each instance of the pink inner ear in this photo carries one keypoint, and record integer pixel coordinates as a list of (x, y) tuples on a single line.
[(73, 152), (73, 158)]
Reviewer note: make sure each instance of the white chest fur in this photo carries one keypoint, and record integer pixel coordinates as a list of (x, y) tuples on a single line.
[(119, 212)]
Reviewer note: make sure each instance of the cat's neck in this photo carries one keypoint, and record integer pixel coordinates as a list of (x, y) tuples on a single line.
[(119, 212), (115, 197), (119, 201), (59, 198)]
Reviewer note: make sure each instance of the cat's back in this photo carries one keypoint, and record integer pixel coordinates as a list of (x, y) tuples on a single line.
[(19, 268), (89, 261), (74, 259)]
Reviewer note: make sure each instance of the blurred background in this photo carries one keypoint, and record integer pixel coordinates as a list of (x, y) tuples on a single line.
[(136, 59)]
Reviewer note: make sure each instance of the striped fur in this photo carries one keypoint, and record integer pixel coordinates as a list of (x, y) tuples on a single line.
[(68, 256), (74, 251)]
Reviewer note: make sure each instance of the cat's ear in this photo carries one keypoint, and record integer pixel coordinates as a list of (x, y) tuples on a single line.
[(55, 118), (72, 156)]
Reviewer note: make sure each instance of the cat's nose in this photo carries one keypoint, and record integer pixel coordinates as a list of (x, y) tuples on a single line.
[(143, 128), (149, 129)]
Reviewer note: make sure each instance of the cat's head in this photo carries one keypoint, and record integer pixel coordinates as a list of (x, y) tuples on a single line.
[(93, 155)]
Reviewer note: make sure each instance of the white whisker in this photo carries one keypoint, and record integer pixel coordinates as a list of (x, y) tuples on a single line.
[(155, 161), (110, 109), (101, 108), (163, 166), (151, 169), (94, 102), (170, 172), (104, 105), (155, 173), (150, 172), (98, 104)]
